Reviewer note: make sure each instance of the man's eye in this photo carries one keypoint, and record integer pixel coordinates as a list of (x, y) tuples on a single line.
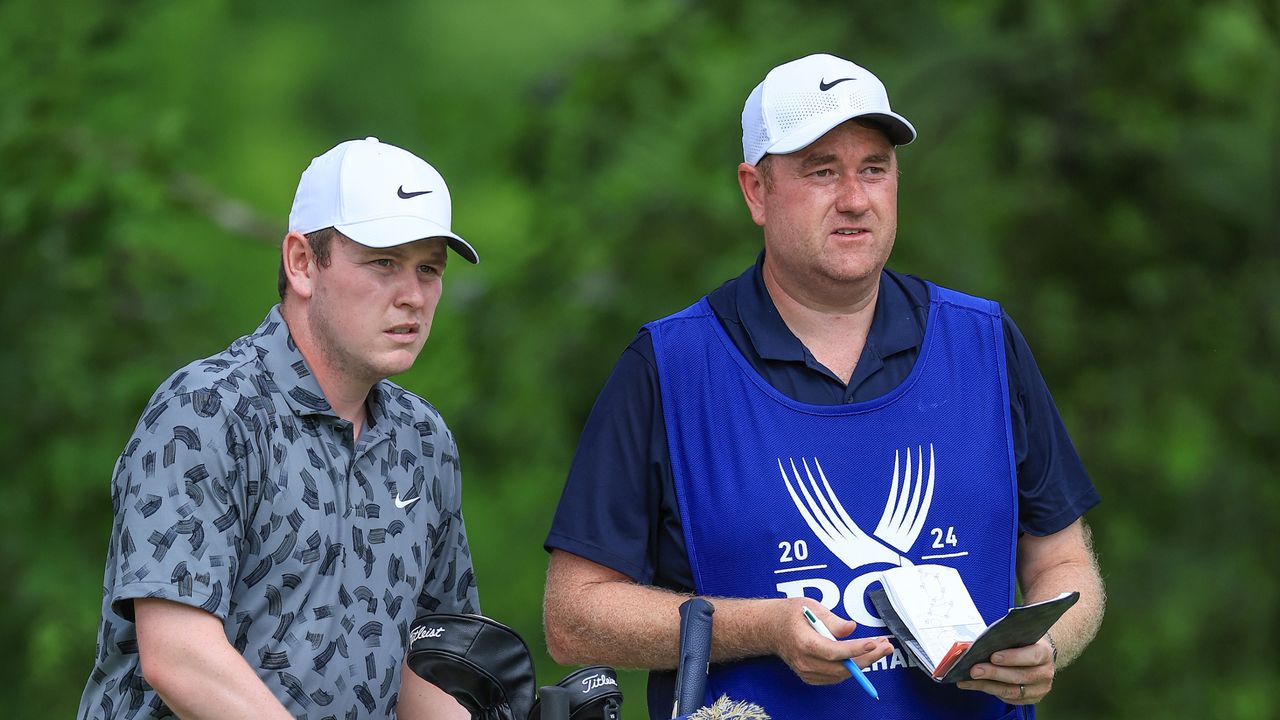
[(825, 172), (382, 262), (874, 170), (429, 269)]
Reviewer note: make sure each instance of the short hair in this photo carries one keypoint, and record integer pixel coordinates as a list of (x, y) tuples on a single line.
[(321, 242), (765, 166)]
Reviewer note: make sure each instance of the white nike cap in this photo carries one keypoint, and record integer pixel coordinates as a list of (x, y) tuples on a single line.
[(378, 195), (800, 101)]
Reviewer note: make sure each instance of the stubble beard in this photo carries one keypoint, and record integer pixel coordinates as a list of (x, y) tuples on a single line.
[(340, 360), (861, 267), (833, 273)]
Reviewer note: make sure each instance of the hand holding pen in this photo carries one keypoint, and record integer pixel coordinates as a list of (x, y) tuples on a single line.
[(849, 664)]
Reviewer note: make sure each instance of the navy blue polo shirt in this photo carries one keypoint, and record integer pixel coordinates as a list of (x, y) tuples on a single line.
[(619, 509)]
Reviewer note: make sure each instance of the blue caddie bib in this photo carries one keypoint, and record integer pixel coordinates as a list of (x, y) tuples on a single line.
[(780, 498)]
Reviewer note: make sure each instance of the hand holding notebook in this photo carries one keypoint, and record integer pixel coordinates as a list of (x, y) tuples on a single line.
[(929, 609)]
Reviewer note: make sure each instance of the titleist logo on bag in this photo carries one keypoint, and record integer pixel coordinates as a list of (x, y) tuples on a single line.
[(421, 633), (594, 681)]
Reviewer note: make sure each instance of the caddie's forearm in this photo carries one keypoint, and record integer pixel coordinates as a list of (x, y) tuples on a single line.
[(595, 615), (1074, 567), (1076, 629)]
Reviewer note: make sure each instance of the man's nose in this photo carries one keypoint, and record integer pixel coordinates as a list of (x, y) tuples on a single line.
[(409, 290), (852, 197)]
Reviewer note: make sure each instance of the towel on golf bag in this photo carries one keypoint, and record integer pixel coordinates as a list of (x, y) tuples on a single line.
[(482, 663)]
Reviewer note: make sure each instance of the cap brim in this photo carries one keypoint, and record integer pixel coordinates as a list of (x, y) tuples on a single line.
[(392, 231), (896, 127)]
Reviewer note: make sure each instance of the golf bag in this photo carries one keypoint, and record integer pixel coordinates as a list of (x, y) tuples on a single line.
[(487, 668)]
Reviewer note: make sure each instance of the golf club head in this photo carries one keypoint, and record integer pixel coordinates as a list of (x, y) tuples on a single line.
[(593, 695), (482, 663), (695, 655)]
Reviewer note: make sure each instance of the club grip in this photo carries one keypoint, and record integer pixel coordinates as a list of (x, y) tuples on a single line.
[(555, 702), (695, 655)]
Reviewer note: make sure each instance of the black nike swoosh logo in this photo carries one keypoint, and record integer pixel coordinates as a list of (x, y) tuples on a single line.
[(825, 86), (407, 195)]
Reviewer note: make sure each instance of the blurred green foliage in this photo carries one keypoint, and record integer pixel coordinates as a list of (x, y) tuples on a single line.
[(1110, 170)]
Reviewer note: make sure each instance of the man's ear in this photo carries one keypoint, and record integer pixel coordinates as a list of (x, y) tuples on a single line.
[(299, 264), (753, 187)]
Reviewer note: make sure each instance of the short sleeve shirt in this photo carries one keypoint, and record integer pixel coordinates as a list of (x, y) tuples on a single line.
[(242, 493), (622, 460), (619, 509)]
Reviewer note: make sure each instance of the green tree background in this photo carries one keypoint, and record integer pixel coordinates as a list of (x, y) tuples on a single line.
[(1109, 170)]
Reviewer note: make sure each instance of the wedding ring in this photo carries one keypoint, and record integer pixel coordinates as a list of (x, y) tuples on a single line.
[(1022, 692)]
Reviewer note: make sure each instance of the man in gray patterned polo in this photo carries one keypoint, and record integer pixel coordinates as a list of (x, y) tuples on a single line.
[(283, 511)]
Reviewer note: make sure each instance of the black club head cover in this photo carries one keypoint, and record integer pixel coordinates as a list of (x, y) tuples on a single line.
[(593, 695), (483, 664)]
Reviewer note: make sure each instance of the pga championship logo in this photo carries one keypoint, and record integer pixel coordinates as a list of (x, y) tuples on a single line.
[(906, 510)]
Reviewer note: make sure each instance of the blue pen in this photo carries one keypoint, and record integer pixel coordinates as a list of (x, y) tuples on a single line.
[(848, 663)]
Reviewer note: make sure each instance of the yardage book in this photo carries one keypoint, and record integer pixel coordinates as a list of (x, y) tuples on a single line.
[(929, 610)]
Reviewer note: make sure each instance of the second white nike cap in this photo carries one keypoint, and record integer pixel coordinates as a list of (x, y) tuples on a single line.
[(800, 101), (378, 195)]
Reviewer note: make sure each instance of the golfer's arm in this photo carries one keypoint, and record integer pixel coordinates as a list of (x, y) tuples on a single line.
[(596, 615), (1062, 562), (185, 656), (420, 700)]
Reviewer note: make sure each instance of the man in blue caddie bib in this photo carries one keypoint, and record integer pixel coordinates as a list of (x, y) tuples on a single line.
[(809, 424)]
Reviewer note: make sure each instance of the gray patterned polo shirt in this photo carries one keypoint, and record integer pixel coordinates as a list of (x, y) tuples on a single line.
[(243, 494)]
